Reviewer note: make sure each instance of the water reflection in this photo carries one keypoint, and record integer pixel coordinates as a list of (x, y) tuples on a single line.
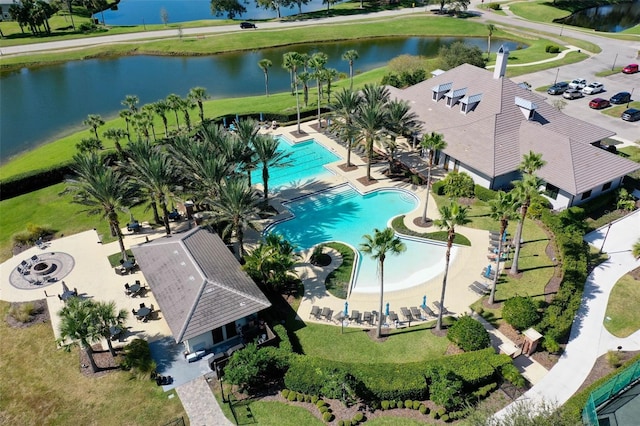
[(59, 97), (610, 18)]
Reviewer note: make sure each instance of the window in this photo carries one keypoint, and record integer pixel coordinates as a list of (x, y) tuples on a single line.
[(217, 335), (606, 186), (551, 191), (586, 195), (231, 330)]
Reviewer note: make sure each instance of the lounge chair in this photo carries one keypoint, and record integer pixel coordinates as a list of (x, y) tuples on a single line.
[(315, 312), (479, 288), (393, 316), (406, 314), (339, 317), (440, 308), (427, 310), (329, 315), (415, 312), (367, 317), (355, 316)]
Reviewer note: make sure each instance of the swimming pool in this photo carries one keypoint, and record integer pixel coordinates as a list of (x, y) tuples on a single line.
[(343, 214), (306, 164)]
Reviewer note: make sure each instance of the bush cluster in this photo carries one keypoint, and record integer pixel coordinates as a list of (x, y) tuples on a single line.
[(469, 334), (22, 312), (283, 335), (137, 358), (34, 180), (520, 312), (404, 79), (32, 234), (484, 391), (551, 48), (458, 184), (494, 6), (484, 194)]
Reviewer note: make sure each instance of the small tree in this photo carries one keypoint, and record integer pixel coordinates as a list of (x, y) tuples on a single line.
[(520, 312), (164, 15), (469, 334), (250, 367), (458, 185)]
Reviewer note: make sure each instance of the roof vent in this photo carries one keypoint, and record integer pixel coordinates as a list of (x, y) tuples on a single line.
[(469, 103), (192, 278), (440, 90), (183, 263), (454, 96), (528, 108)]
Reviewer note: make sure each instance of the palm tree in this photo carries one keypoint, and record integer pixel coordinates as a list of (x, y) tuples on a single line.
[(491, 28), (149, 110), (329, 75), (152, 169), (198, 95), (107, 317), (141, 122), (344, 110), (104, 190), (271, 261), (433, 143), (266, 149), (161, 107), (241, 152), (503, 208), (350, 56), (450, 217), (264, 65), (370, 121), (116, 134), (635, 249), (237, 207), (317, 62), (131, 102), (295, 60), (185, 105), (304, 77), (94, 121), (377, 246), (401, 121), (126, 114), (289, 63), (78, 322), (525, 188), (174, 102)]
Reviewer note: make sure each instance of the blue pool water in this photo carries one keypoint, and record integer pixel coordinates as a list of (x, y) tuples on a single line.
[(343, 214), (306, 163)]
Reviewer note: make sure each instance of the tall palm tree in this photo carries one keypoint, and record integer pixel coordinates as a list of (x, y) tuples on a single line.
[(344, 109), (401, 121), (525, 189), (433, 143), (174, 102), (185, 105), (126, 115), (78, 323), (370, 121), (350, 56), (304, 77), (94, 121), (329, 75), (131, 102), (491, 28), (161, 107), (242, 152), (116, 134), (141, 122), (197, 95), (318, 62), (503, 208), (267, 153), (290, 64), (450, 217), (237, 207), (149, 110), (107, 316), (103, 189), (296, 60), (264, 65), (152, 168), (377, 246)]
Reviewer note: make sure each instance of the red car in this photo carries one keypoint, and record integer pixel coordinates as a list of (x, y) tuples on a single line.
[(630, 69), (599, 103)]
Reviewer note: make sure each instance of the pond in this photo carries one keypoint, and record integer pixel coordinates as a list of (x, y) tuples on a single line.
[(611, 18), (41, 104), (139, 12)]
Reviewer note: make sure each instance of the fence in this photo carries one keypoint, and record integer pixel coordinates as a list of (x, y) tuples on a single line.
[(608, 390), (176, 422)]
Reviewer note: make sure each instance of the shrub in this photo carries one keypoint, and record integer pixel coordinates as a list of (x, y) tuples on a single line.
[(494, 6), (393, 404), (400, 404), (469, 334), (435, 415), (458, 184), (613, 358), (408, 403), (554, 49), (341, 423), (285, 393), (300, 397), (251, 366), (510, 373), (484, 194), (484, 391), (314, 399), (384, 405), (137, 358), (438, 187), (320, 377), (323, 409), (550, 344), (285, 342), (22, 312), (307, 398), (327, 417), (520, 312), (446, 389), (320, 403), (416, 405), (358, 417), (292, 396), (32, 234), (424, 409)]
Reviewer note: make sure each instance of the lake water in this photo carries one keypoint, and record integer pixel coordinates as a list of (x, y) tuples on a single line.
[(611, 18), (41, 104), (138, 12)]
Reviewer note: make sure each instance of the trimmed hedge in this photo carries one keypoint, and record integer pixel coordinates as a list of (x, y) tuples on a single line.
[(283, 335), (484, 194), (34, 180)]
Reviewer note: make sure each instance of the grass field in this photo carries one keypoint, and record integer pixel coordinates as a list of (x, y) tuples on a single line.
[(41, 384), (622, 317)]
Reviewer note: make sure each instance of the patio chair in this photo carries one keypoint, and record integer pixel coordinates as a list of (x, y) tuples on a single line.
[(367, 317), (415, 312), (133, 311), (427, 310), (34, 258), (440, 308), (328, 315), (406, 314), (315, 312), (339, 317), (142, 305), (355, 316)]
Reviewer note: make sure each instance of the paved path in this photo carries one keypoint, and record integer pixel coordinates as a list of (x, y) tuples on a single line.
[(201, 406), (589, 339)]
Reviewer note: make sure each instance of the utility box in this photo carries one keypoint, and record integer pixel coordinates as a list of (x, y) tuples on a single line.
[(532, 337)]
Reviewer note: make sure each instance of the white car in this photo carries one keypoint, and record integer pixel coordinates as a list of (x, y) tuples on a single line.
[(592, 88), (578, 83)]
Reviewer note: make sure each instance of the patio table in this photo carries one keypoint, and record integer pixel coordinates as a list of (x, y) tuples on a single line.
[(68, 295), (134, 289), (143, 313)]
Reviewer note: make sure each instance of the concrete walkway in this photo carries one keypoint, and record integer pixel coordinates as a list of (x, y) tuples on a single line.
[(589, 339), (200, 405)]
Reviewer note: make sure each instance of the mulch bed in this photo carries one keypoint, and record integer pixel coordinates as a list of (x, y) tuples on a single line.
[(366, 182), (418, 222), (105, 362), (602, 367), (40, 315), (346, 168)]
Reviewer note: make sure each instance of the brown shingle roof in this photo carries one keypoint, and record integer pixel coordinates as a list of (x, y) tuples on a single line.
[(197, 282), (494, 135)]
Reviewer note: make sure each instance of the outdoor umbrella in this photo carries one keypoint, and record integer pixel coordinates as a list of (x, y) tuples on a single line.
[(386, 311), (346, 309), (424, 301), (488, 273)]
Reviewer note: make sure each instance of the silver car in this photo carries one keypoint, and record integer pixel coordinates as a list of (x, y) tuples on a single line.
[(572, 94)]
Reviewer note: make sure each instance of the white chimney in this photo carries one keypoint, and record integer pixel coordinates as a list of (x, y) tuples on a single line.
[(501, 62)]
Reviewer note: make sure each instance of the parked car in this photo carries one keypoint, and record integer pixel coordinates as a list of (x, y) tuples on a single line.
[(572, 94), (593, 88), (245, 25), (558, 88), (630, 69), (631, 114), (620, 98), (578, 83), (599, 103)]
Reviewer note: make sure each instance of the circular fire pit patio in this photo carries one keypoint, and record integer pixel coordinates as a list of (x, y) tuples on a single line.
[(41, 270)]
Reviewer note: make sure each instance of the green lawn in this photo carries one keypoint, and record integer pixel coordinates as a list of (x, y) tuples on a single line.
[(41, 384), (415, 344), (622, 317), (617, 110)]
